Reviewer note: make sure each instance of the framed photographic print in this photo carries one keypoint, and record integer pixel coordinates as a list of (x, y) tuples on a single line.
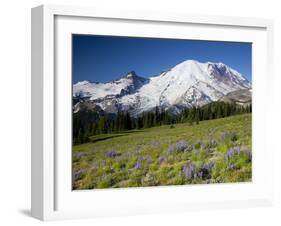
[(137, 112)]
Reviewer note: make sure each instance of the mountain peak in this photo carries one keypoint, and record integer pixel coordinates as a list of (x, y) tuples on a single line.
[(131, 74), (191, 62), (188, 62), (220, 64), (84, 82), (189, 65)]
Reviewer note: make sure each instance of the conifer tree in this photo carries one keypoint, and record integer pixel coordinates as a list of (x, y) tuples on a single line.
[(127, 122), (103, 125)]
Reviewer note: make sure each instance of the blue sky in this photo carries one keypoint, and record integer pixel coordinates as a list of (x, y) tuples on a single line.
[(105, 58)]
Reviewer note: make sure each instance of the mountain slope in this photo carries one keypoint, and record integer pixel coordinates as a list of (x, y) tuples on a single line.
[(187, 84), (242, 97)]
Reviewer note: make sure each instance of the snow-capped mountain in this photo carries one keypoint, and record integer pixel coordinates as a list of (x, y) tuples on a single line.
[(94, 90), (188, 83)]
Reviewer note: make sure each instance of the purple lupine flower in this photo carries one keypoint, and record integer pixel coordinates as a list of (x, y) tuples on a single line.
[(188, 171), (137, 165), (111, 154), (145, 158), (171, 149), (161, 159), (209, 166), (181, 146), (226, 156), (141, 158), (232, 152), (205, 170), (77, 174), (231, 166), (200, 174), (229, 154), (231, 135), (224, 136), (237, 150)]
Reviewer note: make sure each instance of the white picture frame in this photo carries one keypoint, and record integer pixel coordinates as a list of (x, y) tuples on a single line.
[(52, 197)]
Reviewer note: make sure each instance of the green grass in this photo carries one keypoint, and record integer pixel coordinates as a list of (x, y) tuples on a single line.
[(143, 158)]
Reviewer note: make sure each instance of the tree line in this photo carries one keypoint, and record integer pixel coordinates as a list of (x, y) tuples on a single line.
[(89, 123)]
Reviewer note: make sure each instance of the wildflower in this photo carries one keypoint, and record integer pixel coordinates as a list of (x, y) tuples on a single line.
[(111, 154), (137, 165), (237, 150), (77, 174), (205, 170), (231, 152), (224, 136), (181, 146), (200, 174), (145, 158), (231, 166), (161, 159), (171, 149), (189, 171), (232, 136)]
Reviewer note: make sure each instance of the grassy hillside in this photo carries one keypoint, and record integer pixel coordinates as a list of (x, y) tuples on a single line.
[(214, 151)]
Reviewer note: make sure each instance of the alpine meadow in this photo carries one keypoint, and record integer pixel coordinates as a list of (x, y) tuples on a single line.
[(186, 120)]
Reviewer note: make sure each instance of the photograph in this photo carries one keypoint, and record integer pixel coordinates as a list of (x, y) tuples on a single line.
[(152, 111)]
